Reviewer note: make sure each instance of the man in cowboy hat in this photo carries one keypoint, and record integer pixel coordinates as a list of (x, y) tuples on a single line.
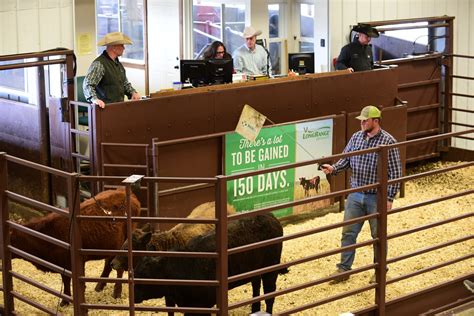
[(106, 81), (250, 58), (357, 56)]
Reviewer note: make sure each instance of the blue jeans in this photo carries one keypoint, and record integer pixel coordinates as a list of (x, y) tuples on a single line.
[(357, 204)]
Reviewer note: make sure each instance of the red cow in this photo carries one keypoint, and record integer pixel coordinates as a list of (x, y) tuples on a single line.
[(95, 235)]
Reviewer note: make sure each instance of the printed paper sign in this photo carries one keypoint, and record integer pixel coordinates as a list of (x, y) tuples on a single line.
[(250, 123)]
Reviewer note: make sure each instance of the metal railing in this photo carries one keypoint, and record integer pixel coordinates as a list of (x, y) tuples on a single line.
[(455, 108), (222, 280)]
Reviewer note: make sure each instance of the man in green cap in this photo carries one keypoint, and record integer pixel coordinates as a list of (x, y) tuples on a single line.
[(364, 172), (106, 81)]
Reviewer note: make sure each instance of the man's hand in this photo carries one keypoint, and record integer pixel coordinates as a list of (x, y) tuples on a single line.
[(136, 96), (389, 205), (351, 69), (327, 169), (100, 103)]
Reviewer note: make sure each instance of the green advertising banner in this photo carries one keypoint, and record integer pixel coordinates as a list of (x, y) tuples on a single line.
[(274, 146)]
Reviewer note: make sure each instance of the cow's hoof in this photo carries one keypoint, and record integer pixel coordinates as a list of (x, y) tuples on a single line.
[(117, 290), (99, 287), (64, 303)]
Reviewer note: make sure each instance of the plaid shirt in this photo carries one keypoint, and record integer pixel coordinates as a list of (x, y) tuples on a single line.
[(364, 167)]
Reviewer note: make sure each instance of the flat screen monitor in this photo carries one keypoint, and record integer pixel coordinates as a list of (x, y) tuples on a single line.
[(220, 70), (194, 72), (302, 63)]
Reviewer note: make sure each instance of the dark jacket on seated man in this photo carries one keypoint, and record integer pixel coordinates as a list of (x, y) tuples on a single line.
[(357, 55)]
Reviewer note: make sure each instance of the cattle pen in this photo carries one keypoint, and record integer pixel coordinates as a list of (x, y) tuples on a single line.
[(441, 296)]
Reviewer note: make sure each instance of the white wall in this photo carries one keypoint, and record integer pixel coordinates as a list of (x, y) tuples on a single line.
[(321, 32), (35, 25), (163, 43), (84, 24)]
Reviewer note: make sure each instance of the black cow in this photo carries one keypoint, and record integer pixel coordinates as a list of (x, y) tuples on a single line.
[(241, 232)]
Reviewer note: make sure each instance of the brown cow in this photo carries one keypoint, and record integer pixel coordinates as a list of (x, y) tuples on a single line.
[(315, 181), (95, 235)]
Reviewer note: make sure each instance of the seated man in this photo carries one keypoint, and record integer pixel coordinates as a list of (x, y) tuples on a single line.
[(250, 58), (357, 56)]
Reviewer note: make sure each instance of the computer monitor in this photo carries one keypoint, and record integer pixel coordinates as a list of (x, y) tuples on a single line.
[(194, 72), (220, 70), (302, 63)]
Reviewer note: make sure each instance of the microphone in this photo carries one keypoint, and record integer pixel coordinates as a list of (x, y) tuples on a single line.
[(428, 44), (263, 42)]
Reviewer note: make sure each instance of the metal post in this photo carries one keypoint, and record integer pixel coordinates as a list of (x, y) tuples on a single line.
[(132, 180), (70, 96), (77, 262), (131, 283), (44, 138), (155, 184), (448, 83), (382, 198), (222, 243), (6, 255)]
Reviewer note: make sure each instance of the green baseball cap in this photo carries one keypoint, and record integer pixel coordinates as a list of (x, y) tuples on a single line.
[(369, 111)]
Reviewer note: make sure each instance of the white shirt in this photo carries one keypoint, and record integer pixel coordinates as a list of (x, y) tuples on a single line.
[(251, 62)]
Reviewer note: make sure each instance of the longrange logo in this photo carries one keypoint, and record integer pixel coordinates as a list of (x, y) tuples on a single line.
[(322, 132)]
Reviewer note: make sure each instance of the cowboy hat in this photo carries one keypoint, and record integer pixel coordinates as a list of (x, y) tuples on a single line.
[(366, 29), (250, 32), (114, 38)]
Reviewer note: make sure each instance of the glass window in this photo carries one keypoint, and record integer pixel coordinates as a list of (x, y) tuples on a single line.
[(419, 35), (209, 25), (14, 78), (306, 46), (126, 16), (306, 43), (306, 20), (234, 24), (418, 40), (275, 57), (274, 32), (273, 20), (15, 83)]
